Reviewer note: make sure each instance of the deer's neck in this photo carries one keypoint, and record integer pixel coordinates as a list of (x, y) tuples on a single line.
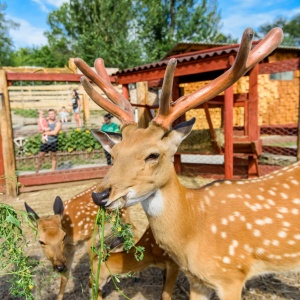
[(171, 211)]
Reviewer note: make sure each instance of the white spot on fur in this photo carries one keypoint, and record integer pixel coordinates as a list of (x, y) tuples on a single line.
[(213, 228), (226, 260), (223, 235), (282, 234), (256, 232), (296, 201), (224, 221), (295, 211), (297, 236)]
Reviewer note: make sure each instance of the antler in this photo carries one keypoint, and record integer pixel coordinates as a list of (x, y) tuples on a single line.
[(119, 105), (121, 108), (242, 64)]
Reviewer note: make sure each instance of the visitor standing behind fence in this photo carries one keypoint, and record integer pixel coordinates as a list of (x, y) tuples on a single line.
[(43, 125), (52, 144), (76, 107), (64, 115), (109, 126)]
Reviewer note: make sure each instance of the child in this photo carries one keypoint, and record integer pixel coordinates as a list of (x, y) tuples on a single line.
[(43, 125), (64, 115)]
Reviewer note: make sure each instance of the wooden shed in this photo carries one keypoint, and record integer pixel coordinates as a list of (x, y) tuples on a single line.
[(273, 80)]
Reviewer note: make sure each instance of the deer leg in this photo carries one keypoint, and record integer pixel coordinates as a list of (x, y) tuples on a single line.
[(169, 281), (199, 291), (69, 254), (231, 291)]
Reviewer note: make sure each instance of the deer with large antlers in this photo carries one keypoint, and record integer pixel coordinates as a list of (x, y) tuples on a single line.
[(125, 262), (71, 226), (224, 233)]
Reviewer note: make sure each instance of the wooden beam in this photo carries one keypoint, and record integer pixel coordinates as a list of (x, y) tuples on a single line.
[(62, 176), (7, 139), (142, 98), (182, 69), (228, 132), (86, 110), (12, 76), (125, 91)]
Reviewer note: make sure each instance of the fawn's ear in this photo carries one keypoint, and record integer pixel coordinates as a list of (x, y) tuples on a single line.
[(107, 139), (31, 213), (179, 133), (58, 206)]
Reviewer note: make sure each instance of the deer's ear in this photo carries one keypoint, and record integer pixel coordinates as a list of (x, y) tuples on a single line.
[(107, 140), (58, 206), (31, 213), (179, 133)]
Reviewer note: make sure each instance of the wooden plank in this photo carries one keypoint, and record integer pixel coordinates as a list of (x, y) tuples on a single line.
[(7, 139), (54, 185), (11, 76), (62, 176), (14, 76), (44, 87), (228, 132)]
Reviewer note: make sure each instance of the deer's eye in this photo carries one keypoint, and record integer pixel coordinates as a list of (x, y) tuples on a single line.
[(152, 157), (42, 243)]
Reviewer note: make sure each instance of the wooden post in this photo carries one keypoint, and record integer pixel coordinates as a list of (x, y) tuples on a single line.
[(125, 91), (7, 139), (86, 110), (228, 132), (142, 95), (2, 180), (253, 128)]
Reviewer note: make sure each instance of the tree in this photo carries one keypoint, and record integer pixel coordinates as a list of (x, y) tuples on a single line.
[(6, 44), (290, 29), (91, 29), (38, 57), (162, 24)]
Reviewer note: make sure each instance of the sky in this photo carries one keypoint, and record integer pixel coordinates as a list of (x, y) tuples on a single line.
[(236, 15)]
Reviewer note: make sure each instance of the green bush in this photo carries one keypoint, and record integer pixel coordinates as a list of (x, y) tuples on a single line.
[(74, 140), (26, 113)]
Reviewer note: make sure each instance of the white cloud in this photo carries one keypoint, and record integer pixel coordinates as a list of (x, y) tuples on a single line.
[(27, 35), (252, 13), (44, 4)]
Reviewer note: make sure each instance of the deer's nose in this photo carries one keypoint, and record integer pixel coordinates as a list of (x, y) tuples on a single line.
[(60, 268), (101, 198)]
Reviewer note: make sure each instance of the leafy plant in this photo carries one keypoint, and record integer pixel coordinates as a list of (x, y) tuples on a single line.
[(26, 113), (74, 140), (119, 229), (13, 261)]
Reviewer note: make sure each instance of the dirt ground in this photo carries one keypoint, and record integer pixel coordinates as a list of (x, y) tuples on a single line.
[(148, 285)]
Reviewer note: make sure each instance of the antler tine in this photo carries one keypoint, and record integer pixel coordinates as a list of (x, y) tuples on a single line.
[(109, 106), (100, 69), (164, 103), (119, 106), (103, 83), (243, 63)]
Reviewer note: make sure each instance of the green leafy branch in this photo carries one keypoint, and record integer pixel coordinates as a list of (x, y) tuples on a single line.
[(14, 261)]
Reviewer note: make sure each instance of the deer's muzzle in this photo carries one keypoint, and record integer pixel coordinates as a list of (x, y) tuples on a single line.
[(101, 198)]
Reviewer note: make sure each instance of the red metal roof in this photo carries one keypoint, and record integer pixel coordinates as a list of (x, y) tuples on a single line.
[(213, 51)]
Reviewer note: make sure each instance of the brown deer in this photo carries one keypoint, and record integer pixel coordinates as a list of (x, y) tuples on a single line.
[(123, 262), (70, 228), (224, 233)]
